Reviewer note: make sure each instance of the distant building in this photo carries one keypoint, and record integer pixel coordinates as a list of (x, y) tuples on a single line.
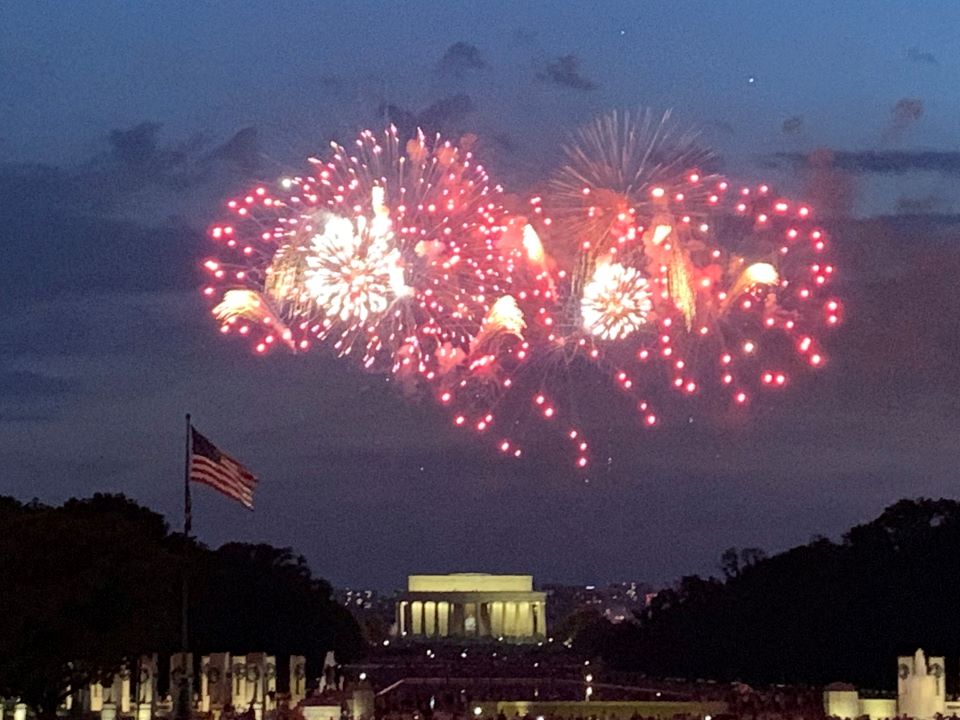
[(616, 602), (472, 605), (921, 694)]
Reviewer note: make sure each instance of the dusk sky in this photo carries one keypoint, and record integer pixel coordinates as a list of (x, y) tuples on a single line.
[(105, 341)]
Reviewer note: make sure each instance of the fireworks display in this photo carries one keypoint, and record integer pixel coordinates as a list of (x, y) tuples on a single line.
[(637, 270), (389, 250)]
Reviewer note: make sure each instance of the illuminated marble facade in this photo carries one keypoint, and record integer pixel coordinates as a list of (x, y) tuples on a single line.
[(472, 605)]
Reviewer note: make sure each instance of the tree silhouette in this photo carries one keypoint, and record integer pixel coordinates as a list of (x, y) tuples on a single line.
[(94, 583), (818, 613)]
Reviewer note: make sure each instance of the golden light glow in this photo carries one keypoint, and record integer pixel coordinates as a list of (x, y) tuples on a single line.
[(762, 274), (753, 276), (532, 244), (241, 305), (661, 233), (505, 316), (682, 292)]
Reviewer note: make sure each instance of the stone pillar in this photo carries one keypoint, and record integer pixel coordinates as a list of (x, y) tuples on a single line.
[(270, 685), (510, 619), (96, 697), (124, 703), (205, 683), (181, 670), (113, 692), (256, 679), (417, 617), (298, 679), (920, 688), (20, 711), (429, 618), (238, 692), (526, 619), (215, 682), (496, 619), (401, 618), (443, 612), (145, 694)]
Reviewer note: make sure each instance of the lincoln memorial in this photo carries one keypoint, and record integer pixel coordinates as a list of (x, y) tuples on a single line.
[(472, 605)]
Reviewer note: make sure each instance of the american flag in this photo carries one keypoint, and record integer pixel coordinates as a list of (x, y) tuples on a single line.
[(210, 466)]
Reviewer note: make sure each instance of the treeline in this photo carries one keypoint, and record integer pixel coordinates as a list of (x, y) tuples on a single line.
[(90, 583), (819, 613)]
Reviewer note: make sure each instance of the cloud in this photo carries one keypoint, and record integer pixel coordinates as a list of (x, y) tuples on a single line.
[(138, 159), (504, 142), (135, 146), (29, 395), (565, 72), (883, 162), (29, 385), (243, 150), (905, 112), (446, 110), (922, 57), (524, 36), (792, 125), (722, 126), (332, 84), (919, 205), (460, 58), (125, 219), (438, 117)]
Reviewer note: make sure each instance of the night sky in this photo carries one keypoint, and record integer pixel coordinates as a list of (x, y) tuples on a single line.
[(116, 122)]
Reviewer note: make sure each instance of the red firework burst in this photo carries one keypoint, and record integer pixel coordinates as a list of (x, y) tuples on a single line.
[(387, 250), (667, 282)]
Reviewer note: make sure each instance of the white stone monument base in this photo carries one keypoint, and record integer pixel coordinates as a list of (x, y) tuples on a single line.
[(320, 712)]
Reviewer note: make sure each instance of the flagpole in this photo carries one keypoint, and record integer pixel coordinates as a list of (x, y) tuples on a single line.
[(187, 528), (184, 698), (187, 506)]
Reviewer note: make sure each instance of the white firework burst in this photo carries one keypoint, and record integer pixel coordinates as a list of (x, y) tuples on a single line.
[(616, 301), (355, 272)]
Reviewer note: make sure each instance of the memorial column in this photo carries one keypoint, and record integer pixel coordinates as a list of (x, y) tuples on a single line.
[(496, 619), (417, 608)]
